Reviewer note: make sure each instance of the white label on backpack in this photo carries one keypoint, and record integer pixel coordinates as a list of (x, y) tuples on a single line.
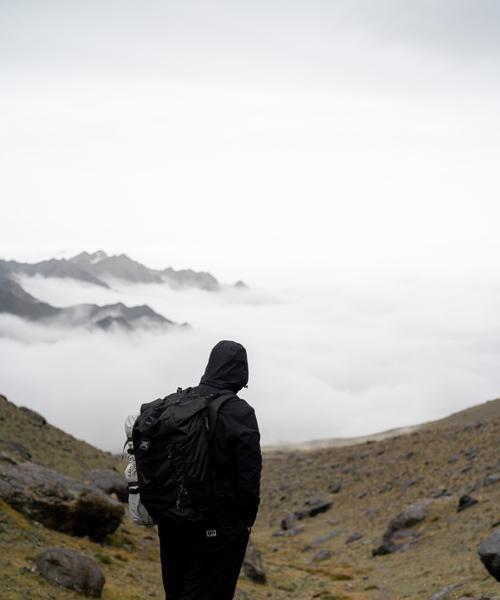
[(211, 532)]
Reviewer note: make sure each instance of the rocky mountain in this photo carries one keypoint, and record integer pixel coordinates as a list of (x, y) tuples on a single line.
[(100, 265), (55, 267), (413, 516), (99, 268), (16, 301)]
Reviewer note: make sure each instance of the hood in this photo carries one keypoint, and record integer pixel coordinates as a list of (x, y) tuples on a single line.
[(227, 367)]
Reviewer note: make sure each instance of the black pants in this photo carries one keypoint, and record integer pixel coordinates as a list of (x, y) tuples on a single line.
[(199, 563)]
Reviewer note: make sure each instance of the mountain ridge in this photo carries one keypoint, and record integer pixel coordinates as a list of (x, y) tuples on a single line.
[(14, 300), (98, 267)]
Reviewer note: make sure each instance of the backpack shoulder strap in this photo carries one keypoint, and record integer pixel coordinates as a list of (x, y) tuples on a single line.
[(214, 405)]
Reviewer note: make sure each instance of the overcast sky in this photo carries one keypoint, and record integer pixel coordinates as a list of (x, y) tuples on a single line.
[(252, 137)]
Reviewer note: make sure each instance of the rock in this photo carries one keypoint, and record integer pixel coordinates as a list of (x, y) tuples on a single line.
[(399, 528), (69, 569), (322, 539), (445, 592), (317, 507), (13, 452), (322, 555), (290, 532), (354, 537), (489, 553), (387, 487), (466, 501), (454, 458), (35, 417), (385, 548), (410, 516), (491, 479), (59, 502), (109, 481), (440, 493), (252, 564), (288, 521), (336, 486)]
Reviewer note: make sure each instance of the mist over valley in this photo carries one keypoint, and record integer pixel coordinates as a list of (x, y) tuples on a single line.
[(351, 355)]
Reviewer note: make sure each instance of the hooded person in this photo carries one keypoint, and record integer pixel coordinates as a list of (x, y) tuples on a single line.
[(202, 561)]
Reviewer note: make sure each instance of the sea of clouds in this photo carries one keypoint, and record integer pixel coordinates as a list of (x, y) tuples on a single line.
[(367, 353)]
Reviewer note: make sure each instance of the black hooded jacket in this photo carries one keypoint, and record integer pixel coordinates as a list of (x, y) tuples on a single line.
[(237, 439)]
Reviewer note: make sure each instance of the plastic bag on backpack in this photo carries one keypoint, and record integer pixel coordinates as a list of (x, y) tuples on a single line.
[(138, 512)]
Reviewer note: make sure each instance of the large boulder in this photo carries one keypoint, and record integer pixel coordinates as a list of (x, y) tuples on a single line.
[(489, 553), (252, 564), (108, 481), (399, 528), (69, 569), (58, 501)]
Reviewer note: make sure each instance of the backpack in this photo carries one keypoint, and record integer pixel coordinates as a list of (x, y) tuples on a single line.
[(173, 441)]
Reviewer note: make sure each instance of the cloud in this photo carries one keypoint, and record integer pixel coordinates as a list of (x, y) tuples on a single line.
[(359, 356)]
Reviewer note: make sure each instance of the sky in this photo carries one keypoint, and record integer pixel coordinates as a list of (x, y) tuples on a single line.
[(280, 135), (340, 155)]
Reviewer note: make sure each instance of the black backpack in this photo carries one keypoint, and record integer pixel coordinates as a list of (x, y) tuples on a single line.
[(173, 440)]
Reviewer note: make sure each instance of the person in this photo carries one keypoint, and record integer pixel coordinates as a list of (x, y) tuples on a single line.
[(202, 561)]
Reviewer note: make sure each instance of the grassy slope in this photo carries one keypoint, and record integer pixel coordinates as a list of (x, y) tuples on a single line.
[(49, 445), (378, 479)]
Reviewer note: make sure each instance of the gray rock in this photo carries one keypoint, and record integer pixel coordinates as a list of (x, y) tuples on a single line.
[(415, 513), (13, 452), (290, 532), (323, 538), (322, 555), (108, 481), (252, 564), (336, 486), (69, 569), (399, 528), (489, 553), (288, 521), (445, 592), (315, 507), (491, 479), (354, 537), (466, 501), (59, 502)]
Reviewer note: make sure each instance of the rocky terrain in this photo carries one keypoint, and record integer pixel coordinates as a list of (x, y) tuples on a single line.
[(400, 517)]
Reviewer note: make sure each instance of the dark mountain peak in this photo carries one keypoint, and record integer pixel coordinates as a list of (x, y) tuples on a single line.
[(87, 257)]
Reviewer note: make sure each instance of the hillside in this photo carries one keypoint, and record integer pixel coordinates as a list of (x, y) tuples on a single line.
[(355, 491), (481, 412), (47, 444)]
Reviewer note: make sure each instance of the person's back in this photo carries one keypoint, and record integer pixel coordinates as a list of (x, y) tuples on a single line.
[(201, 561)]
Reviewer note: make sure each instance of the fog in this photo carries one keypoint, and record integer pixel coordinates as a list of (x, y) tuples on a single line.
[(369, 352)]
